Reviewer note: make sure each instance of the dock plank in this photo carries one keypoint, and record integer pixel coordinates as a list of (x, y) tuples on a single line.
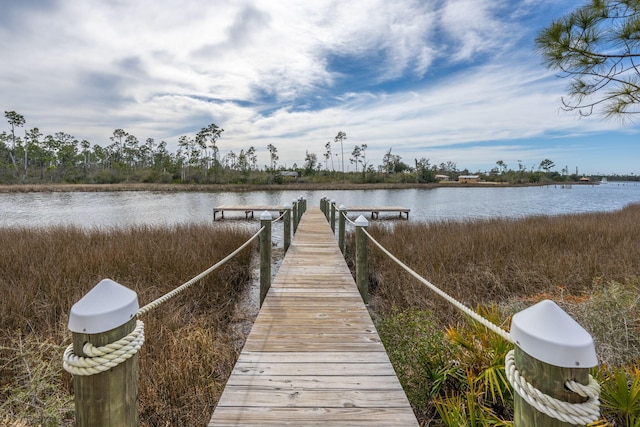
[(313, 356)]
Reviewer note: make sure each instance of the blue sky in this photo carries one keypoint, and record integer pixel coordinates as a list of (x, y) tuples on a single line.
[(446, 80)]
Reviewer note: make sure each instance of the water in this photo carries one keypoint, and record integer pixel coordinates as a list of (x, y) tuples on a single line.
[(109, 209)]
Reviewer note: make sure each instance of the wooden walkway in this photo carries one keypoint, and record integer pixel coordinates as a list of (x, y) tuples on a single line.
[(313, 356)]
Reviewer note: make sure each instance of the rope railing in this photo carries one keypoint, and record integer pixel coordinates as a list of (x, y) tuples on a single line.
[(197, 278), (573, 413), (109, 314), (279, 218), (103, 358), (347, 220), (466, 310)]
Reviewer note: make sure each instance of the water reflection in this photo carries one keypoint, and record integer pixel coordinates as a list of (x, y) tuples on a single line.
[(95, 209)]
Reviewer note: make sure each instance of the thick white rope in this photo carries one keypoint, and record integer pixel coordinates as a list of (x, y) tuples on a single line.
[(344, 214), (199, 277), (504, 334), (575, 413), (280, 217), (572, 413), (100, 359)]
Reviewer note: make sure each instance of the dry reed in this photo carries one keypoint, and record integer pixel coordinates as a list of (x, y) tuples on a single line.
[(572, 259), (493, 260), (189, 349)]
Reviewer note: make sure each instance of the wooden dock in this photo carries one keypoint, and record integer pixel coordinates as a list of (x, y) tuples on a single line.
[(313, 356), (375, 210), (248, 210)]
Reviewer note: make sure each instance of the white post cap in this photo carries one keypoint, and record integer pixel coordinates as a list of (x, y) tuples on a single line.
[(265, 216), (547, 333), (361, 221), (287, 205), (342, 208), (105, 307)]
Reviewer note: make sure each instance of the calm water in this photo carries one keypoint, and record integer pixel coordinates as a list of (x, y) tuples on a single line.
[(109, 209)]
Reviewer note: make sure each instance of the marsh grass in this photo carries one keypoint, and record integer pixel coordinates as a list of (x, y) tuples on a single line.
[(589, 264), (189, 349), (490, 261)]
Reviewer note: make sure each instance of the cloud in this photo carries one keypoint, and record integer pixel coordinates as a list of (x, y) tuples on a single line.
[(419, 76)]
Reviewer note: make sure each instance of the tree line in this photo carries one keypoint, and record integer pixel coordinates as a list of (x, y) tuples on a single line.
[(61, 158)]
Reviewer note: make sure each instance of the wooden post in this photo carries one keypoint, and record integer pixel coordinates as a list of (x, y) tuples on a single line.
[(326, 208), (342, 211), (287, 226), (551, 349), (362, 258), (300, 207), (265, 255), (104, 315), (333, 216), (322, 204), (294, 215)]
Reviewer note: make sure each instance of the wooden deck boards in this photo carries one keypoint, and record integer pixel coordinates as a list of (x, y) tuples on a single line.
[(313, 356)]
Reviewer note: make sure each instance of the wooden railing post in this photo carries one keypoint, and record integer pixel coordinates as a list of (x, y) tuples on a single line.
[(333, 216), (287, 226), (551, 349), (362, 258), (294, 215), (342, 211), (265, 255), (322, 204), (104, 315), (300, 207), (326, 208)]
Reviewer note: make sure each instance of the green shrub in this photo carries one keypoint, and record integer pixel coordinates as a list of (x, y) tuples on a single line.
[(620, 395), (421, 356)]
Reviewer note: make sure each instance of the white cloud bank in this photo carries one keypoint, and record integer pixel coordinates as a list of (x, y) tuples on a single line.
[(447, 79)]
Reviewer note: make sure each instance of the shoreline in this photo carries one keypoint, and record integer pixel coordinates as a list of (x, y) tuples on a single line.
[(213, 188)]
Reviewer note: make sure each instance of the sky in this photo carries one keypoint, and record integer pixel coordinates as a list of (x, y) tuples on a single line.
[(446, 80)]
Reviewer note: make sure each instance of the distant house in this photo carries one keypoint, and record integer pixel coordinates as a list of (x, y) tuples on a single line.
[(584, 179), (469, 178), (292, 174), (442, 177)]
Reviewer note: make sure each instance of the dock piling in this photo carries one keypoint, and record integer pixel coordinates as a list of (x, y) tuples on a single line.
[(265, 255)]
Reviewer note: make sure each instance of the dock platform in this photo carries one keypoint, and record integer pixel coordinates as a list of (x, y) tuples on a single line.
[(248, 210), (375, 210), (313, 356)]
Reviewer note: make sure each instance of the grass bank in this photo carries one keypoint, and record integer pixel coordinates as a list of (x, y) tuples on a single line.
[(297, 185), (189, 349)]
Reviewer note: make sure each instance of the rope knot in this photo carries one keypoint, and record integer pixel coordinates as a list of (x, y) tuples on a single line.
[(573, 413), (103, 358)]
